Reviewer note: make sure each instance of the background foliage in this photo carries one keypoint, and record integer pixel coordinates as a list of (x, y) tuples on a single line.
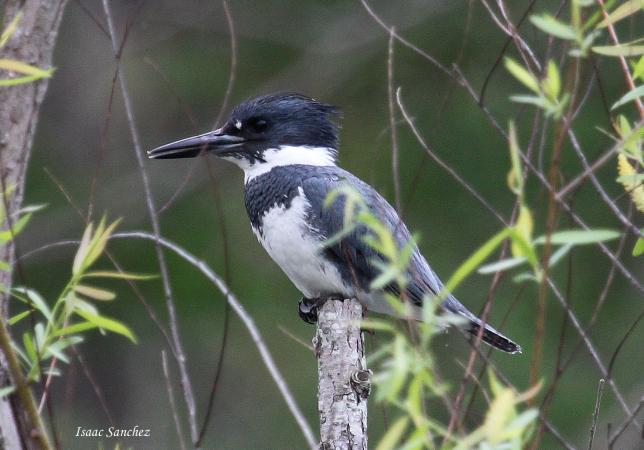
[(177, 58)]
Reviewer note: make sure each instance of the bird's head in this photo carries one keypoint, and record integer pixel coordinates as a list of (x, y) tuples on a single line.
[(265, 132)]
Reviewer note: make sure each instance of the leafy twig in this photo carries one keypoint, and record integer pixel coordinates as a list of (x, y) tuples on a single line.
[(173, 405), (600, 390)]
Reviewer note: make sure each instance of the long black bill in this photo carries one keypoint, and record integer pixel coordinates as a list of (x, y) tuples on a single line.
[(216, 141)]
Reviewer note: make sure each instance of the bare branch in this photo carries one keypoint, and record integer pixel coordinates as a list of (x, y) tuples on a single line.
[(174, 326), (246, 319), (232, 71), (598, 187), (622, 59), (395, 166), (173, 405), (444, 165), (600, 390), (626, 423)]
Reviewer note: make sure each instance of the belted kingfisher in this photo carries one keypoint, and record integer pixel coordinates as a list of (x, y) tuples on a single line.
[(287, 146)]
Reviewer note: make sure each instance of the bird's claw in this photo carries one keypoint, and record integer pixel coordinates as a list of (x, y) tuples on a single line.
[(308, 309)]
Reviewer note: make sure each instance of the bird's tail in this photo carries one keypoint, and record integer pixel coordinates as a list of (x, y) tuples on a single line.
[(490, 335), (493, 337)]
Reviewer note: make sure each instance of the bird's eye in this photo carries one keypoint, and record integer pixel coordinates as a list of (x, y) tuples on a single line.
[(257, 124)]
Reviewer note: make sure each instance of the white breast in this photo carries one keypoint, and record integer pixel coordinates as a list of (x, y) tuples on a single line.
[(294, 247)]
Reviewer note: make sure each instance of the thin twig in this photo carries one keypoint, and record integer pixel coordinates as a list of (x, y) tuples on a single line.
[(597, 164), (222, 227), (622, 341), (463, 82), (174, 326), (232, 71), (626, 423), (404, 41), (561, 299), (598, 400), (137, 292), (622, 59), (441, 163), (395, 160), (295, 338), (598, 187), (246, 319), (173, 405), (506, 44), (232, 300)]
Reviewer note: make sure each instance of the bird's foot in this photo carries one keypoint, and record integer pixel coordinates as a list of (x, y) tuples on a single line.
[(308, 309)]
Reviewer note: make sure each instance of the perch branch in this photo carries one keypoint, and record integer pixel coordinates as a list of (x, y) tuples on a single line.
[(344, 381)]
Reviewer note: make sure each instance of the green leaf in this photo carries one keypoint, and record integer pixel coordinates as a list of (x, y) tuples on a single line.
[(474, 261), (552, 83), (638, 69), (629, 97), (39, 333), (394, 434), (18, 317), (619, 50), (74, 302), (579, 237), (18, 226), (559, 254), (27, 69), (501, 265), (636, 178), (94, 292), (376, 325), (4, 266), (56, 353), (639, 247), (7, 390), (523, 228), (554, 27), (18, 80), (523, 75), (119, 275), (520, 425), (384, 278), (101, 237), (539, 102), (81, 253), (108, 324), (622, 11), (11, 28), (30, 347), (524, 276), (33, 298), (399, 363), (32, 208), (56, 349), (78, 327), (515, 176)]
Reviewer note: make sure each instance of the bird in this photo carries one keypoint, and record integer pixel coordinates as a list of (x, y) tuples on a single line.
[(287, 146)]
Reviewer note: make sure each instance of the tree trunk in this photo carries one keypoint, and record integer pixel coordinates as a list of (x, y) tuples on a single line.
[(32, 43), (344, 381)]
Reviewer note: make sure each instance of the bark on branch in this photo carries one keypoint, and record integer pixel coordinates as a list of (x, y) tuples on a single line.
[(343, 379), (32, 43)]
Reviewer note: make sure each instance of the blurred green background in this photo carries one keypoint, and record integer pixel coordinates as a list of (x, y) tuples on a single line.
[(334, 51)]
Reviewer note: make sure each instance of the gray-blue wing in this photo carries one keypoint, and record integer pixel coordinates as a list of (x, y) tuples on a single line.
[(354, 257)]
